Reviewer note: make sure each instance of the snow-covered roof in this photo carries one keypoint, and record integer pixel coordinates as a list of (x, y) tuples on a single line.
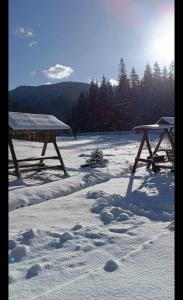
[(162, 123), (166, 120), (26, 121)]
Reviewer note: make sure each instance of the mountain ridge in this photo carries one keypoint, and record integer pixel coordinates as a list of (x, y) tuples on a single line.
[(57, 99)]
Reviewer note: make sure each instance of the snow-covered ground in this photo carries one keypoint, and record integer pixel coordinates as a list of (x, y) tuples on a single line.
[(100, 233)]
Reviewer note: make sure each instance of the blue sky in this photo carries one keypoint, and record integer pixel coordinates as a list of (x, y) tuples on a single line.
[(75, 40)]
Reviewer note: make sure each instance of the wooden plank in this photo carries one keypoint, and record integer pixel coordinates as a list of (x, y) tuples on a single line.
[(164, 166), (37, 158), (42, 168), (28, 165)]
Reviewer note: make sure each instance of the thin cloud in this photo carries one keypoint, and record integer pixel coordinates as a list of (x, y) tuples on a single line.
[(33, 43), (24, 32), (58, 72)]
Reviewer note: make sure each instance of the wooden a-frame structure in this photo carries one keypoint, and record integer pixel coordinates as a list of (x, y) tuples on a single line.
[(34, 127), (166, 125)]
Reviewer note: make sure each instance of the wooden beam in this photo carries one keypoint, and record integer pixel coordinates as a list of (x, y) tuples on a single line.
[(42, 168), (28, 165), (44, 147), (139, 153), (15, 161), (37, 158), (60, 157)]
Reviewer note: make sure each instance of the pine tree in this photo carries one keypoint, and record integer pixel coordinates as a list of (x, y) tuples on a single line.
[(147, 79), (156, 71), (134, 104), (134, 79), (96, 159), (122, 98), (164, 73), (171, 71)]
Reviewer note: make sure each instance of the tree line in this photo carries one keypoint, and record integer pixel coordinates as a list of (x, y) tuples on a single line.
[(133, 101)]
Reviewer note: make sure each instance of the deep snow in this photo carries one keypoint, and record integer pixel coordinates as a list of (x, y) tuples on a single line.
[(101, 233)]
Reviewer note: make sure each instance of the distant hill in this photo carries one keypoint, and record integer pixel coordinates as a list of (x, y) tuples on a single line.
[(56, 99)]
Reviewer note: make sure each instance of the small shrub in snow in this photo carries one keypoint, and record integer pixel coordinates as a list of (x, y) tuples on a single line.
[(96, 159)]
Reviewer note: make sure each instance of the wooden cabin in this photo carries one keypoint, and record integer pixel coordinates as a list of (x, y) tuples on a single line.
[(38, 128), (166, 127)]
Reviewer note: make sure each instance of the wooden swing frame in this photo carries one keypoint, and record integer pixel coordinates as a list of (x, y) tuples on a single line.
[(152, 158), (44, 136)]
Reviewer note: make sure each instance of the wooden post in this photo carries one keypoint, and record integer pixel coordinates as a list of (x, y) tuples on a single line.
[(139, 153), (59, 155), (44, 148), (17, 170), (148, 144), (159, 142), (170, 137)]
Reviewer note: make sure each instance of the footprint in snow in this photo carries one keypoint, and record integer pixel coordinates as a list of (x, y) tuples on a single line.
[(34, 271), (118, 230), (93, 235), (65, 237), (11, 244), (110, 266), (88, 248), (77, 227), (19, 252)]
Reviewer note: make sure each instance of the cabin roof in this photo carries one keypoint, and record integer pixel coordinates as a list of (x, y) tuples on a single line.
[(26, 121)]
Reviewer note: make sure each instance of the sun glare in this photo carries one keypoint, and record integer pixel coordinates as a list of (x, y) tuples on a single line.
[(162, 45)]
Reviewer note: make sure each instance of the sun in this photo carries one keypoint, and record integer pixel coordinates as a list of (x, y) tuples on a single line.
[(162, 42)]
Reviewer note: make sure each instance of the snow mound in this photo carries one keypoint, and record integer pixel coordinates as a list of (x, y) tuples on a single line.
[(96, 195), (110, 266), (106, 216), (14, 276), (29, 234), (123, 217), (88, 247), (19, 252), (34, 271), (93, 234), (95, 177), (99, 243), (112, 207), (65, 237), (171, 226)]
